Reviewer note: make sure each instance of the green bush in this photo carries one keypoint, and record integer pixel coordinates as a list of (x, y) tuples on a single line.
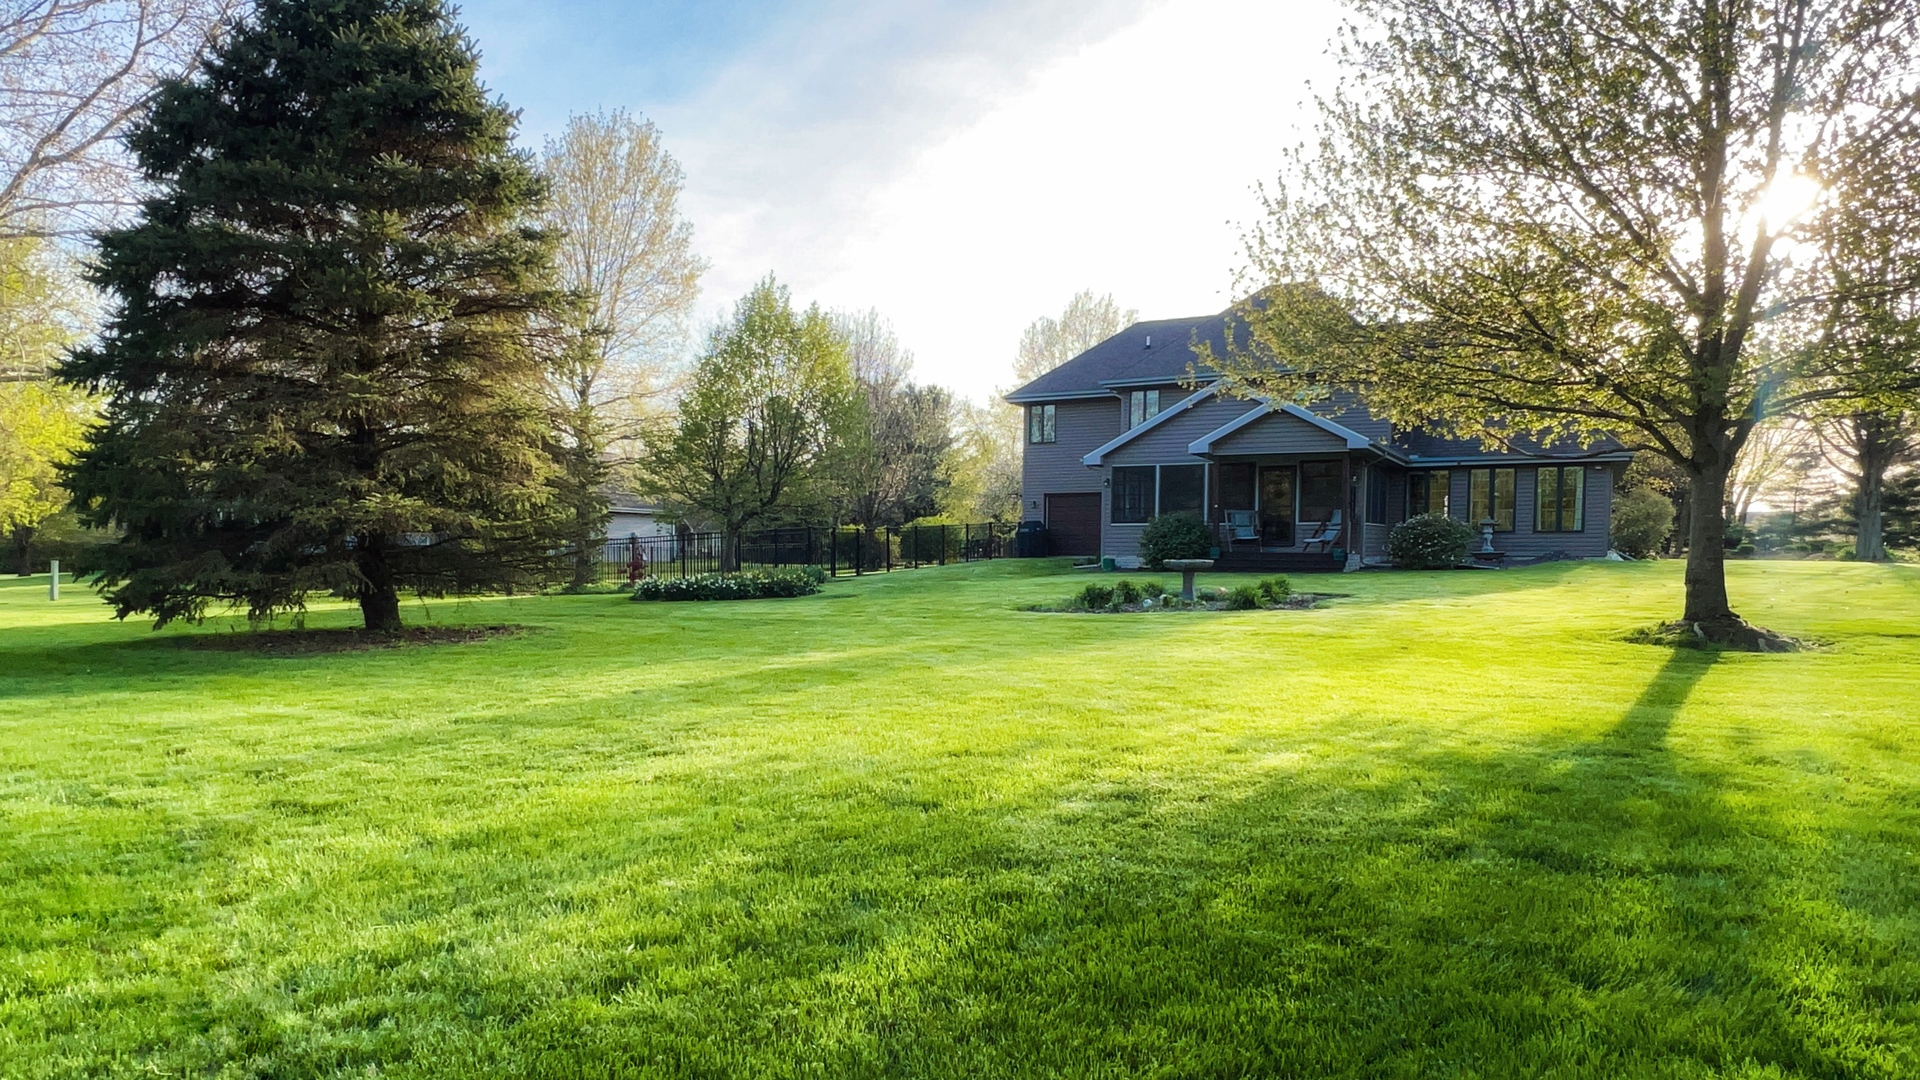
[(1430, 542), (1126, 592), (1244, 598), (1094, 597), (1175, 536), (1274, 589), (746, 585), (1153, 590), (1642, 518)]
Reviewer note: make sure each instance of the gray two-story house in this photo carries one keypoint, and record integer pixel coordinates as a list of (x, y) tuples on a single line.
[(1126, 431)]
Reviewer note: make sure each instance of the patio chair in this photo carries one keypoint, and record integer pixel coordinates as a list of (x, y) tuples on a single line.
[(1326, 536), (1241, 525)]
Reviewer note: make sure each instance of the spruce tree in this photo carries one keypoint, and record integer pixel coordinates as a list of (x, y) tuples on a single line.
[(331, 325)]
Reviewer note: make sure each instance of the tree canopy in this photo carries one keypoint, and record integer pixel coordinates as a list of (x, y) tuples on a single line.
[(767, 407), (1583, 220), (330, 329)]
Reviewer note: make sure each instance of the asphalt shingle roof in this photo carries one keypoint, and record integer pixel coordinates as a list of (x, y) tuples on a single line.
[(1127, 356)]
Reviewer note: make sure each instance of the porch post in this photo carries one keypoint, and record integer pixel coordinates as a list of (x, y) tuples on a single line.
[(1346, 502)]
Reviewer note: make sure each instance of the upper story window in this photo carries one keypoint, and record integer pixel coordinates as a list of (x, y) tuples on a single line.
[(1490, 495), (1040, 424), (1142, 406), (1560, 492)]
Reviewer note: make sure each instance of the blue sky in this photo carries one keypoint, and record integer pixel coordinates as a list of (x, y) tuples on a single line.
[(961, 167)]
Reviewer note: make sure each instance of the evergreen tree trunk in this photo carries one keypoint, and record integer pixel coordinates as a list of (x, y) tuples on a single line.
[(379, 596), (1706, 578)]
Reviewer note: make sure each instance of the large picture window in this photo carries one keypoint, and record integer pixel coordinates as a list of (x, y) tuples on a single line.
[(1490, 495), (1133, 494), (1559, 499), (1040, 424), (1142, 406), (1183, 489), (1429, 492)]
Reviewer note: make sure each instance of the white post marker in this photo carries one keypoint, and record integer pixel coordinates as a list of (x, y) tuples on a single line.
[(53, 582)]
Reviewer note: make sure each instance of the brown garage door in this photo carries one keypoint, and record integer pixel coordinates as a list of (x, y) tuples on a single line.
[(1073, 524)]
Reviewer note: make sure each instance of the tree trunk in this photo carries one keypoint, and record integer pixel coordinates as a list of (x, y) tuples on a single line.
[(379, 596), (23, 549), (1870, 544), (1706, 576)]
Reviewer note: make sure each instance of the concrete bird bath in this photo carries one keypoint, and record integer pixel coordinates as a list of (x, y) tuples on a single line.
[(1187, 568)]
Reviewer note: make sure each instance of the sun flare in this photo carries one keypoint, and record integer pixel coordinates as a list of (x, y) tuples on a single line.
[(1790, 197)]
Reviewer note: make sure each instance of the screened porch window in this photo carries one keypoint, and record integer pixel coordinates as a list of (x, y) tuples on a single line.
[(1183, 489), (1133, 494)]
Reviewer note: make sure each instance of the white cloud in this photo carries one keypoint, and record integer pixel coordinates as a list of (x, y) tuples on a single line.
[(963, 165), (1122, 167)]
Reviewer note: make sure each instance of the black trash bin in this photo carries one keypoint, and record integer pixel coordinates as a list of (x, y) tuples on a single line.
[(1030, 540)]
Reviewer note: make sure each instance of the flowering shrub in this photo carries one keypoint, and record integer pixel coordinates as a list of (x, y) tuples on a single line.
[(746, 585), (1430, 542)]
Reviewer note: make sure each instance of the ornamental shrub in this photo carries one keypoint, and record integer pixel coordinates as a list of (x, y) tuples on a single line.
[(1093, 598), (1175, 536), (1642, 518), (1126, 592), (1244, 598), (746, 585), (1430, 542), (1153, 590), (1274, 589)]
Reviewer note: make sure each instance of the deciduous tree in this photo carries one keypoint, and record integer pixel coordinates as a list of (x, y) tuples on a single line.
[(1087, 321), (1580, 219), (899, 432), (628, 253), (764, 411), (73, 75), (331, 328)]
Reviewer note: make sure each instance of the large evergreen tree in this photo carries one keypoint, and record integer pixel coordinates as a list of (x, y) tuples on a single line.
[(332, 325)]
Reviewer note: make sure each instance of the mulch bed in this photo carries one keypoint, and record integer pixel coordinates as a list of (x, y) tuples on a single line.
[(343, 639)]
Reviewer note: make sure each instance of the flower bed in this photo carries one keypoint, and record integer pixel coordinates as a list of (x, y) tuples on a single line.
[(1123, 596), (745, 585)]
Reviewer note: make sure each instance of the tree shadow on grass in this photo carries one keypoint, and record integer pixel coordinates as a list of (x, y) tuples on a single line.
[(1597, 908)]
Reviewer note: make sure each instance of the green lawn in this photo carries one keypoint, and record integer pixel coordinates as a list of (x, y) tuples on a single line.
[(1447, 826)]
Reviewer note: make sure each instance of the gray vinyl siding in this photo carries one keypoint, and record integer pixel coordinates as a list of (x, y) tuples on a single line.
[(1167, 444), (1278, 433), (1590, 542), (1080, 427)]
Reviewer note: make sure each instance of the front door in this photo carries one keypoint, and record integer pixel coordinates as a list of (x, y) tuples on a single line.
[(1276, 505)]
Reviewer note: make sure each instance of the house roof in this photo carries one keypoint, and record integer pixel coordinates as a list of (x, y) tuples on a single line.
[(1422, 448), (1144, 354)]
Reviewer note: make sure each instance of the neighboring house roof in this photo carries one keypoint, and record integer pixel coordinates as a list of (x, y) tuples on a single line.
[(626, 502), (1145, 354)]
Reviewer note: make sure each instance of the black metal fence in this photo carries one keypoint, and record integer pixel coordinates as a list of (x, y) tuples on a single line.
[(847, 549)]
